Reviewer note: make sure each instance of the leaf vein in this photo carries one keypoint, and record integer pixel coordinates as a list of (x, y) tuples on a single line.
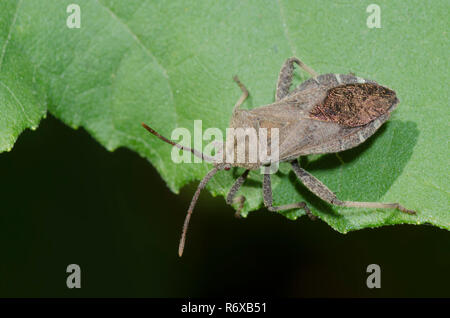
[(285, 28), (18, 101), (8, 38), (146, 50)]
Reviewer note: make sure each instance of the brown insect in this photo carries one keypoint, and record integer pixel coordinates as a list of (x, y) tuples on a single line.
[(326, 114)]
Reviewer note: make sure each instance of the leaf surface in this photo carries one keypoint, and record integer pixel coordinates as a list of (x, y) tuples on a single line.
[(170, 63)]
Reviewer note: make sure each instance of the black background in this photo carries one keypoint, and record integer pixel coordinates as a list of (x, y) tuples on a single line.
[(65, 199)]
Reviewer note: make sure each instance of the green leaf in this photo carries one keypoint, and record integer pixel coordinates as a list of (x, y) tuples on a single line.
[(22, 100), (169, 63)]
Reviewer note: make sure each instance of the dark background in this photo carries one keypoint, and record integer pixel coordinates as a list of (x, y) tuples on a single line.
[(65, 199)]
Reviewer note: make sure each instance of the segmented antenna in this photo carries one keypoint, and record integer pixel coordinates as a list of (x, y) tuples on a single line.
[(200, 187), (194, 152)]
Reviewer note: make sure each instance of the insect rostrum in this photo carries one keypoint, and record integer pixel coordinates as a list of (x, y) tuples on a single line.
[(326, 114)]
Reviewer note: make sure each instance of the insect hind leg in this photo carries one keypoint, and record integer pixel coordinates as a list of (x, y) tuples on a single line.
[(321, 190), (379, 205)]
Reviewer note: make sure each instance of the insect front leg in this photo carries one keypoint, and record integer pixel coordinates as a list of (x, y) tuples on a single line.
[(244, 93), (268, 201), (234, 189), (321, 190), (286, 75)]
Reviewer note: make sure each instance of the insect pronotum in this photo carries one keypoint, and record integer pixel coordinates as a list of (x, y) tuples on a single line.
[(328, 113)]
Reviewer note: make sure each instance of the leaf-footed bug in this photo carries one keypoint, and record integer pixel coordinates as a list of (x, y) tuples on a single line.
[(326, 114)]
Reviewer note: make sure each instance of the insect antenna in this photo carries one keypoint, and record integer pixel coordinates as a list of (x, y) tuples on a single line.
[(194, 152), (200, 187)]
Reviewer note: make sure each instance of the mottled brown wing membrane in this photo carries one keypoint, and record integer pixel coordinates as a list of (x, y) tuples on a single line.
[(330, 113), (354, 105)]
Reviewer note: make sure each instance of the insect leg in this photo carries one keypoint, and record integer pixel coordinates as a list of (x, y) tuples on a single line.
[(241, 200), (234, 189), (244, 93), (321, 190), (268, 201), (286, 74)]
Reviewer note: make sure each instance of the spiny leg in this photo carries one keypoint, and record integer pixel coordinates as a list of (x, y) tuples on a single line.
[(268, 201), (244, 93), (234, 189), (321, 190), (286, 75)]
